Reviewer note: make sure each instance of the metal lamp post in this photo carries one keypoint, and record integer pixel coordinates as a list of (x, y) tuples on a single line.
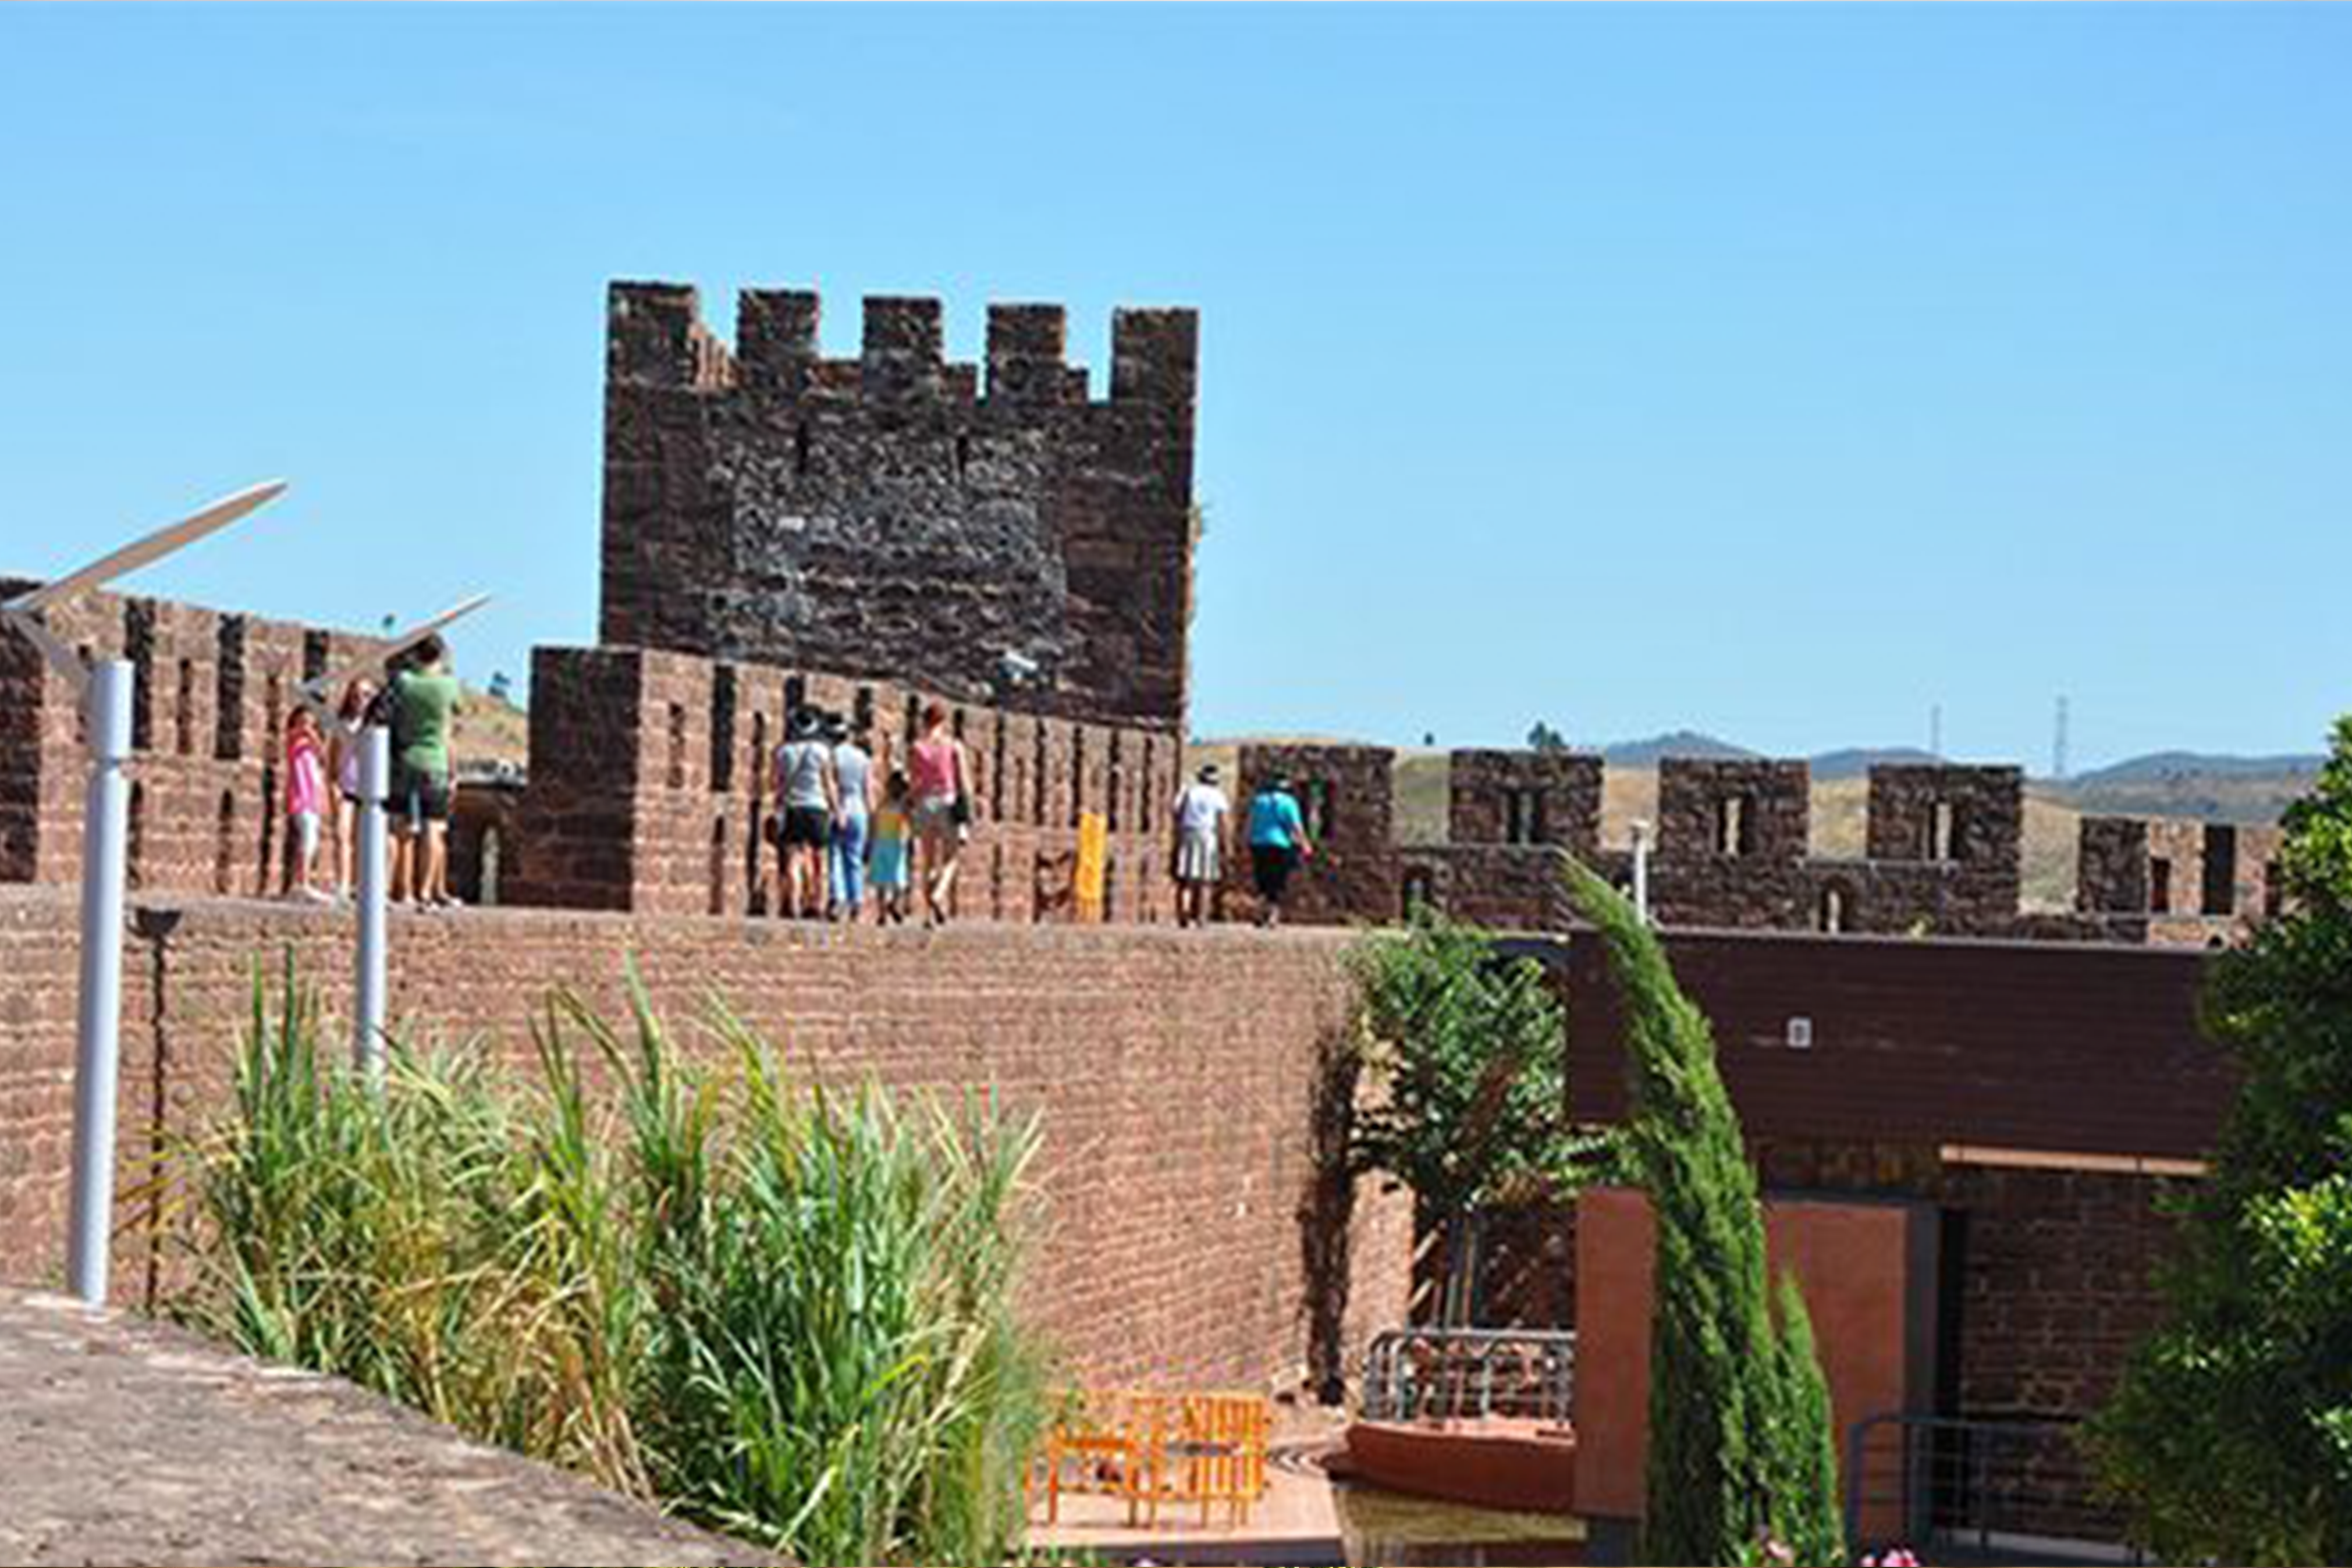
[(369, 982), (105, 688)]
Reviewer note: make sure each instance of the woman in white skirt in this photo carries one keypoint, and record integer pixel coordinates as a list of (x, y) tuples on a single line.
[(1201, 810)]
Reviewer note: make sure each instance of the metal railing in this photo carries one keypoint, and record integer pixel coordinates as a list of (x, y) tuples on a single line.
[(1991, 1488), (1414, 1375)]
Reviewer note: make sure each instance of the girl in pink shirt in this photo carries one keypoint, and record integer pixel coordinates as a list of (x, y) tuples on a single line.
[(306, 803)]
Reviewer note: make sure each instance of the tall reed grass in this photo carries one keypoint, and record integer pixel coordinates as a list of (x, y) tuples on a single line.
[(783, 1312)]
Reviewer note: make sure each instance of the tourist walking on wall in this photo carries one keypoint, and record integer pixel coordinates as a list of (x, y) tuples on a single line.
[(941, 772), (1278, 843), (805, 790), (1201, 810), (424, 703), (853, 785), (306, 804), (345, 739), (894, 851)]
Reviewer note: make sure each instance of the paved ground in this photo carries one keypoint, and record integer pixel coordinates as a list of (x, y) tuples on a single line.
[(125, 1441)]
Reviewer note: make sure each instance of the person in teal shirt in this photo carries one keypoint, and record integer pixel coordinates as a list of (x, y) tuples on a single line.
[(1278, 842)]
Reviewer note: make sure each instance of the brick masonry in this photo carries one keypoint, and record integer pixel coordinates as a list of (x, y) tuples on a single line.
[(2177, 881), (651, 777), (208, 713), (1179, 1076), (897, 516), (1346, 796)]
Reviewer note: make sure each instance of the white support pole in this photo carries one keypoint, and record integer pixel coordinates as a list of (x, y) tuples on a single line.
[(105, 842), (1642, 872), (368, 989)]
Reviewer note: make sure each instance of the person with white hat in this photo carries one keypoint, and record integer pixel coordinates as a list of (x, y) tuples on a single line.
[(1201, 810)]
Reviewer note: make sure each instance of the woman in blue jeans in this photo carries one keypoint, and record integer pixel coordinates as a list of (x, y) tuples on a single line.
[(853, 771)]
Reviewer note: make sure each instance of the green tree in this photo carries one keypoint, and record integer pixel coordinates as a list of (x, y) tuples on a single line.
[(1466, 1053), (1541, 736), (1741, 1450), (2231, 1435)]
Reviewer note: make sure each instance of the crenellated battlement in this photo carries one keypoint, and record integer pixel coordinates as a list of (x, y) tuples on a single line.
[(210, 693), (901, 514), (657, 339)]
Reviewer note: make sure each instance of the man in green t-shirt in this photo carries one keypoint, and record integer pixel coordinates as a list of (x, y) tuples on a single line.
[(423, 702)]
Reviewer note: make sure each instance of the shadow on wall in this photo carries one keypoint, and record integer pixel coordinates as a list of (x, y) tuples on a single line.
[(1326, 1217)]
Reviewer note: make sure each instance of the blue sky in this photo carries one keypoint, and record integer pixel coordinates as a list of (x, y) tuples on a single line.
[(1778, 371)]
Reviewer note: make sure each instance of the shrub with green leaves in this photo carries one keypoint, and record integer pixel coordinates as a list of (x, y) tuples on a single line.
[(2230, 1436), (1467, 1052), (786, 1314)]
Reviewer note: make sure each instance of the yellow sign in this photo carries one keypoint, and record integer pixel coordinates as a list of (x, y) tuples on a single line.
[(1094, 866)]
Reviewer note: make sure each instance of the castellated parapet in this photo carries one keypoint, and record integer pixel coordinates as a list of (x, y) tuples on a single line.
[(897, 516)]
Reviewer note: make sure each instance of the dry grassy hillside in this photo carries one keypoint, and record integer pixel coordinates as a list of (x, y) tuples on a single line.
[(489, 731)]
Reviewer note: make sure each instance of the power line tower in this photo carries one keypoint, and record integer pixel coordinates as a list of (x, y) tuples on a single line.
[(2058, 744)]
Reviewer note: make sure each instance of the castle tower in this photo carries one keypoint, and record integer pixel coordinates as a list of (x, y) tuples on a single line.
[(895, 515)]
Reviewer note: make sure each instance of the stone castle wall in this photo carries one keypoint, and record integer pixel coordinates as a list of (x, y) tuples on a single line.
[(651, 779), (1731, 849), (897, 516), (212, 690), (2177, 881), (1189, 1242)]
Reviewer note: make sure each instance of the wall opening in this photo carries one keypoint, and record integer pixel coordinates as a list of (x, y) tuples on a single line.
[(2274, 895), (795, 697), (265, 871), (1735, 825), (273, 717), (490, 866), (1522, 816), (996, 772), (1118, 783), (722, 729), (2160, 885), (136, 873), (801, 450), (317, 648), (81, 710), (225, 845), (1831, 915), (963, 457), (1037, 774), (2221, 869), (1078, 773), (1943, 832), (674, 769), (754, 898), (228, 690), (1322, 815), (138, 647), (184, 711), (1418, 889), (718, 875), (861, 716)]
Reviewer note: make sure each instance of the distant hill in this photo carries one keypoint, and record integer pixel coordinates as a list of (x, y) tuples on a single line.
[(1676, 743), (1856, 761), (2161, 766)]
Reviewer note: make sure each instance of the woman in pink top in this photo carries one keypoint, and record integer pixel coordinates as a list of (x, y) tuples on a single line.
[(306, 803), (941, 772)]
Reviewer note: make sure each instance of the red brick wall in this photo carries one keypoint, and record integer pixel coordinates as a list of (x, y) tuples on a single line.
[(2064, 1046), (36, 1052), (1176, 1074), (213, 692), (650, 776)]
